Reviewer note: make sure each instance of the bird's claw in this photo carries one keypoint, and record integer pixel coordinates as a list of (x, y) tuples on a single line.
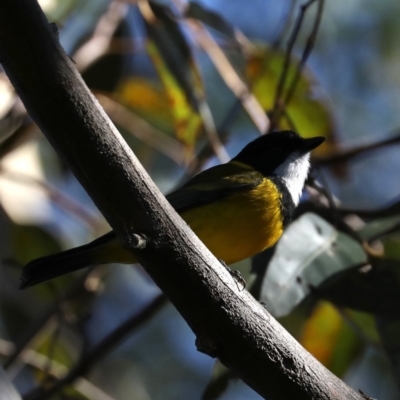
[(236, 275)]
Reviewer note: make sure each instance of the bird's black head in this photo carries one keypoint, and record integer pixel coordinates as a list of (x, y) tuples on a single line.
[(268, 152)]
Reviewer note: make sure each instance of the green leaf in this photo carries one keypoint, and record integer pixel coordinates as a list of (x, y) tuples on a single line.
[(347, 348), (35, 241), (392, 247), (187, 122), (172, 58), (365, 326), (389, 330), (221, 376), (70, 393), (308, 111), (149, 101), (310, 251), (54, 345), (379, 228)]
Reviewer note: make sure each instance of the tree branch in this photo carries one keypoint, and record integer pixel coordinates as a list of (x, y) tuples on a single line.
[(229, 323), (341, 156)]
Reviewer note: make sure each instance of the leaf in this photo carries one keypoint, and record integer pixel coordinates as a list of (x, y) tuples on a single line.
[(212, 19), (35, 241), (54, 345), (70, 393), (329, 339), (171, 56), (321, 332), (389, 330), (379, 227), (187, 122), (149, 101), (308, 111), (7, 390), (221, 376), (346, 350), (364, 325), (310, 251), (392, 247), (374, 288)]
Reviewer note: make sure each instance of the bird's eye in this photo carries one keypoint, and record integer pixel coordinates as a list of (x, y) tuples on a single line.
[(291, 135)]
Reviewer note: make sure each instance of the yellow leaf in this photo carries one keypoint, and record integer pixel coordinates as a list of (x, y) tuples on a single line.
[(186, 120), (308, 112), (148, 100), (321, 332)]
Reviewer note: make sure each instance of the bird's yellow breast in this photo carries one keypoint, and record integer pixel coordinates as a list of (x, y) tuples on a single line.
[(240, 225)]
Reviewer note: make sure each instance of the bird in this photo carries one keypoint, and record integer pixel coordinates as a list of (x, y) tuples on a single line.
[(237, 209)]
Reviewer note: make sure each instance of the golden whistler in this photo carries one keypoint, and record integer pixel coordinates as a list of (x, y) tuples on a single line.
[(237, 209)]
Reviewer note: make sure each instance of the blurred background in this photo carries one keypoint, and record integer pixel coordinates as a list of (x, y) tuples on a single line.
[(188, 84)]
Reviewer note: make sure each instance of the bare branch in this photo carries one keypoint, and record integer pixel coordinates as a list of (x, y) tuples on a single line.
[(230, 76), (143, 131), (345, 155), (281, 103), (101, 39)]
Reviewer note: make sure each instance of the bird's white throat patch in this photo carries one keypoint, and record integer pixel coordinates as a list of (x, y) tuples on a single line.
[(293, 171)]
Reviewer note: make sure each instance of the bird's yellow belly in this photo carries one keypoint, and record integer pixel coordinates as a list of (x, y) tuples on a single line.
[(241, 225)]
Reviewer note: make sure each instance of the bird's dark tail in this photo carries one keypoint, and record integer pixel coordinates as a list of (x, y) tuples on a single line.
[(49, 267), (103, 250)]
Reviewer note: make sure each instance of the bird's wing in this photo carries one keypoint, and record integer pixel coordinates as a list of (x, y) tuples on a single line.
[(214, 184)]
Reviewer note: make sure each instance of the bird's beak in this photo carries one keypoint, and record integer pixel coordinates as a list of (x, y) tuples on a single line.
[(311, 144)]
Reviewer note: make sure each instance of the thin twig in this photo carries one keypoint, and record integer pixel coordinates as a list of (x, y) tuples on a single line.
[(279, 103), (142, 130), (230, 76), (211, 132), (307, 50), (99, 43), (205, 153), (345, 155), (325, 190), (181, 72), (326, 213), (388, 211), (102, 349), (31, 332), (52, 348), (287, 20), (285, 69), (61, 199), (57, 370)]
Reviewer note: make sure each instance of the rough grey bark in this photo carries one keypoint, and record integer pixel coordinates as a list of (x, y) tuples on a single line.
[(229, 323)]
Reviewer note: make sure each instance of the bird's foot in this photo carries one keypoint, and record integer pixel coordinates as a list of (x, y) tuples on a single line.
[(236, 275)]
